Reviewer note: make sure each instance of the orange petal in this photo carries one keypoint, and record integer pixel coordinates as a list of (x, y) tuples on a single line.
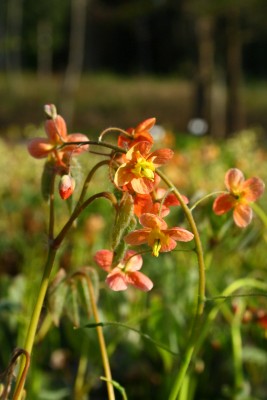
[(169, 246), (133, 261), (139, 280), (161, 156), (39, 147), (145, 125), (137, 237), (223, 204), (79, 148), (233, 179), (152, 221), (253, 188), (116, 280), (123, 175), (242, 215), (56, 129), (104, 259), (180, 234), (142, 185)]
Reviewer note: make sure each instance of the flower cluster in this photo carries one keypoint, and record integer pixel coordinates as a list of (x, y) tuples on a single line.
[(59, 147), (136, 175)]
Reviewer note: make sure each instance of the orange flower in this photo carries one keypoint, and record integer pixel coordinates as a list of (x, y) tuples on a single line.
[(139, 167), (157, 235), (125, 273), (155, 202), (56, 132), (241, 193), (138, 134)]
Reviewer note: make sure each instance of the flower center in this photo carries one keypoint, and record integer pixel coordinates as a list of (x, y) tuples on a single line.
[(144, 169), (156, 239)]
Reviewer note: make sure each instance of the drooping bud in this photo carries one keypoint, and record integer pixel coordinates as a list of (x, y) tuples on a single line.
[(66, 186), (50, 111)]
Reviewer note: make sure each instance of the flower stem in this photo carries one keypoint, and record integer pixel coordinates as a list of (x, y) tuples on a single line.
[(101, 339), (198, 244), (201, 292), (34, 320)]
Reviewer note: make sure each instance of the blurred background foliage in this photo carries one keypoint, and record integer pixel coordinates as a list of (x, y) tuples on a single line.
[(114, 64)]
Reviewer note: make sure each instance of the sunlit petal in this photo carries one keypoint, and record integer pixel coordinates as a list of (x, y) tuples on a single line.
[(242, 215), (139, 280), (223, 204), (252, 189), (104, 259), (233, 179)]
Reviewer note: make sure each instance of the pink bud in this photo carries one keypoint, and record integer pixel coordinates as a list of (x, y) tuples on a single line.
[(66, 186)]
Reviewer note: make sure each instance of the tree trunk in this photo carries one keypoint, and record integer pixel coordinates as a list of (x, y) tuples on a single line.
[(234, 106), (44, 48), (76, 57), (203, 89)]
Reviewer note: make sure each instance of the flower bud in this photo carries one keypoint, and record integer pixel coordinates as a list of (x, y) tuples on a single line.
[(66, 186)]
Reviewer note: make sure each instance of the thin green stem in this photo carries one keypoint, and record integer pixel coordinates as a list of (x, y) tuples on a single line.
[(77, 211), (198, 244), (30, 337), (205, 198), (201, 292), (101, 339)]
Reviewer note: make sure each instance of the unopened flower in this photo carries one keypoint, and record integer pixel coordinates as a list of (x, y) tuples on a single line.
[(157, 234), (139, 168), (66, 186), (125, 273), (241, 193), (56, 131), (138, 134)]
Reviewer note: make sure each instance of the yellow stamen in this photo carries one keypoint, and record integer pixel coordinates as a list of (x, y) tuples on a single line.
[(144, 169), (156, 248)]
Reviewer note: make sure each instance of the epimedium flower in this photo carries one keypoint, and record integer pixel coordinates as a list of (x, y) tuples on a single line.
[(138, 172), (157, 235), (241, 193), (138, 134), (125, 273), (56, 131), (157, 202)]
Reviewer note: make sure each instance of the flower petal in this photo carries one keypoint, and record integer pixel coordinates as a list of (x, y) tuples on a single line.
[(123, 175), (152, 221), (56, 129), (223, 204), (116, 280), (39, 147), (242, 215), (233, 179), (139, 280), (142, 148), (169, 245), (180, 234), (161, 156), (252, 189), (132, 261), (145, 125), (142, 203), (79, 148), (137, 237), (142, 185), (104, 259)]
